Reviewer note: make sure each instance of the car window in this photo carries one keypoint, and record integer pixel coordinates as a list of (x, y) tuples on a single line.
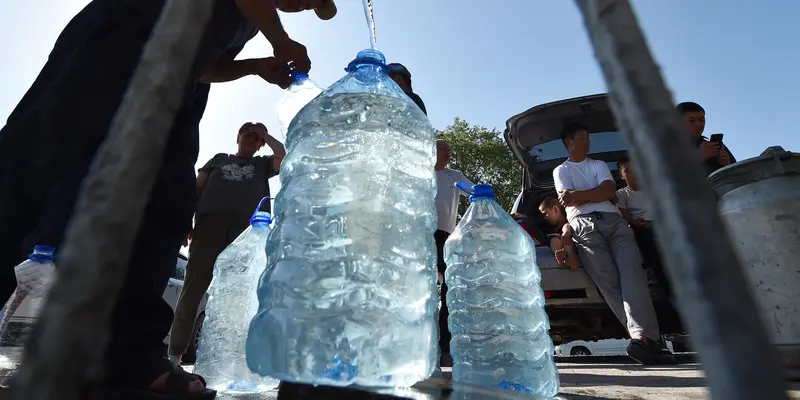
[(601, 142)]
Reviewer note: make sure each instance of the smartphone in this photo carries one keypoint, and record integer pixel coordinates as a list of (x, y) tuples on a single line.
[(716, 138)]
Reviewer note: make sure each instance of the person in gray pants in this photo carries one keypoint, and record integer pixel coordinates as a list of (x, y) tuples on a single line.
[(606, 244)]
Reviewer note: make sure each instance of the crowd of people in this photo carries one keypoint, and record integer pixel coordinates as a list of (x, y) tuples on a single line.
[(609, 231)]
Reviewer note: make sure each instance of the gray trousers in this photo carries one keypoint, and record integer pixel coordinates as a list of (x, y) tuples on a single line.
[(607, 248)]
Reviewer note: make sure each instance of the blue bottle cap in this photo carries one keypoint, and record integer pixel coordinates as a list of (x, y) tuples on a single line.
[(261, 218), (367, 57), (42, 253), (480, 191), (297, 76)]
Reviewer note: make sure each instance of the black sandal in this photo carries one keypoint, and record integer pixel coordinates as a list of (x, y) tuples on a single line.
[(137, 385)]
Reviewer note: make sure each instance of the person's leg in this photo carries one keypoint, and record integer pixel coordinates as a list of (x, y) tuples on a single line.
[(641, 315), (652, 256), (444, 330), (598, 261), (208, 240), (645, 346)]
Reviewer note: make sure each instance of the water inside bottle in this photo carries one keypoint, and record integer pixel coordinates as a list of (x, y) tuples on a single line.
[(373, 39)]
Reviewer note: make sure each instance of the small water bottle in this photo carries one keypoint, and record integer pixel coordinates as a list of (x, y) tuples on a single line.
[(300, 92), (500, 331), (232, 303), (35, 277)]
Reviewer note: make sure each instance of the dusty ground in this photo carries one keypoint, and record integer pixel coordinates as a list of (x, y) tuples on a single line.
[(585, 378)]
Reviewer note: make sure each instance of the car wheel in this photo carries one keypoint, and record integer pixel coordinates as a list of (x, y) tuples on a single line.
[(580, 351), (191, 352)]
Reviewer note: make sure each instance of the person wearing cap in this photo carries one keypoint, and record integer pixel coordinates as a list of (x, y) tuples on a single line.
[(400, 74), (229, 187), (66, 114)]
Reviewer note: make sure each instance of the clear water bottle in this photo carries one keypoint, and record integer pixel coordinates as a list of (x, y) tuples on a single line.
[(232, 303), (500, 331), (299, 93), (349, 296), (35, 277)]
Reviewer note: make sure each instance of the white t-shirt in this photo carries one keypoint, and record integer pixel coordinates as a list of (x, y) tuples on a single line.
[(584, 175), (635, 202), (447, 196)]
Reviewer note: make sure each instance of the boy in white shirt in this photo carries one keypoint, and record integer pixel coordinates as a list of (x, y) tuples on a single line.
[(606, 244), (635, 207)]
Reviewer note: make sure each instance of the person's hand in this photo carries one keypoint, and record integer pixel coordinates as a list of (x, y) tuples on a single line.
[(567, 198), (187, 239), (272, 71), (724, 158), (709, 150), (288, 51), (640, 223)]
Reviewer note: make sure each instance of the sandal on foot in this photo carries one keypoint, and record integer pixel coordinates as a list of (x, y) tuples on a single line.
[(139, 387)]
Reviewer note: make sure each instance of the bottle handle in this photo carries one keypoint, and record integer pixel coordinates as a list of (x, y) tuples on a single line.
[(260, 203), (465, 187)]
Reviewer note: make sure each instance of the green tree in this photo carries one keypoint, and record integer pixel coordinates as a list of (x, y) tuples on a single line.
[(482, 155)]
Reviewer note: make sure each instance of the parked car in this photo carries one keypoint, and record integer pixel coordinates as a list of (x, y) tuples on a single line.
[(576, 309), (607, 347), (23, 319)]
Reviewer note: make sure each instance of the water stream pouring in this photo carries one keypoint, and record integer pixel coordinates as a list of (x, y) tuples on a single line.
[(349, 296), (373, 38)]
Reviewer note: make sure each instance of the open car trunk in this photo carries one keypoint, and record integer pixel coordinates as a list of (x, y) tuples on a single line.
[(534, 137), (575, 307)]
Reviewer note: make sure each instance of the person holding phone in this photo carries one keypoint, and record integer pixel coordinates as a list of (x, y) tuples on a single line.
[(715, 154)]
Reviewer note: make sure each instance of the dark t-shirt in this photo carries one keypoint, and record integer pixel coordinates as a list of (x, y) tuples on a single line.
[(235, 184), (711, 164)]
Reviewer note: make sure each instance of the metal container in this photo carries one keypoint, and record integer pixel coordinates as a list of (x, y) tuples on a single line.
[(759, 201)]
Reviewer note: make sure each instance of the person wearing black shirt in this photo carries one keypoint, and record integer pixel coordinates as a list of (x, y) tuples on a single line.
[(715, 155), (50, 139)]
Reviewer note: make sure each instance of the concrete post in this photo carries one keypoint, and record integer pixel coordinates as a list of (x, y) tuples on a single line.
[(68, 344), (715, 298)]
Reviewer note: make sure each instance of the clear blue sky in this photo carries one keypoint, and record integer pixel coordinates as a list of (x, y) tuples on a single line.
[(485, 63)]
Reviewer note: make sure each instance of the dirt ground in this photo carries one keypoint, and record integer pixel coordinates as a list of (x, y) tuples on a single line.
[(584, 378)]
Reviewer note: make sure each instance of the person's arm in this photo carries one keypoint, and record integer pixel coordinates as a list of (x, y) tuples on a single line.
[(562, 179), (566, 235), (203, 174), (466, 180), (264, 15), (605, 189), (202, 180), (601, 193), (227, 69), (725, 157)]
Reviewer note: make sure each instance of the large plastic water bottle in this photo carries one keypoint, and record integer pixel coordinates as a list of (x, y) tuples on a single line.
[(232, 303), (349, 296), (500, 331), (300, 92), (35, 276)]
